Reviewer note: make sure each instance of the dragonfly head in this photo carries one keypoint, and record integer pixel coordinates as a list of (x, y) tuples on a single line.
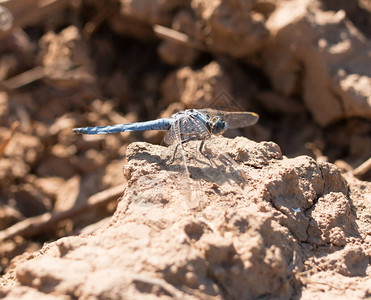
[(217, 126)]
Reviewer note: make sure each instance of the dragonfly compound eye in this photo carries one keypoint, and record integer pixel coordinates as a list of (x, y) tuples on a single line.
[(218, 125)]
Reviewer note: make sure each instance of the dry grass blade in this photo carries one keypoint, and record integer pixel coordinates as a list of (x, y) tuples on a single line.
[(91, 26), (5, 142), (48, 221), (362, 169), (24, 78), (179, 37)]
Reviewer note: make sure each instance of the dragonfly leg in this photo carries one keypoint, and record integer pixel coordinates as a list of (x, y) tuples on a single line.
[(204, 154), (174, 154)]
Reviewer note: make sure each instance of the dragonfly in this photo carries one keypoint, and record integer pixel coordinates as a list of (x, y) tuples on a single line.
[(184, 126)]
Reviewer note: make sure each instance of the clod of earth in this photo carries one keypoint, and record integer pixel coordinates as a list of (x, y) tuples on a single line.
[(292, 224)]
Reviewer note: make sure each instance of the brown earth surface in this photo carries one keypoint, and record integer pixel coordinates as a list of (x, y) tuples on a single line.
[(101, 217)]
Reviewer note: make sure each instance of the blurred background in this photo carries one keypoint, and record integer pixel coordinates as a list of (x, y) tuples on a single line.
[(303, 66)]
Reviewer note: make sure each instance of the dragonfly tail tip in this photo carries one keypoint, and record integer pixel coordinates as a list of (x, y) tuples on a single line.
[(77, 130)]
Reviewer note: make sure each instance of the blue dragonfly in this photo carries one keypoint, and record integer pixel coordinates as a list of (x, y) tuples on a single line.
[(184, 126)]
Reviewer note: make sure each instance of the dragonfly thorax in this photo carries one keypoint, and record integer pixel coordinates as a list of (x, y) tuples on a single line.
[(217, 125)]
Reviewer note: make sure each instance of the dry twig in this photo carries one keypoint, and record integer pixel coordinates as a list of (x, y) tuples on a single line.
[(24, 78), (102, 15), (6, 141), (48, 221), (362, 169), (179, 37)]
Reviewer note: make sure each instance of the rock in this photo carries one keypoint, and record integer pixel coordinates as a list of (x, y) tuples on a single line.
[(256, 226), (50, 273), (321, 56), (25, 147), (196, 88), (50, 186), (231, 27), (331, 220), (360, 195), (61, 53)]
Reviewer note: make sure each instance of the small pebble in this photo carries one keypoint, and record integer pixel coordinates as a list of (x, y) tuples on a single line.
[(191, 279)]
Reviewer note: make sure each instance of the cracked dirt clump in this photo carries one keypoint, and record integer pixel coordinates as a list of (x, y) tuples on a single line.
[(332, 220), (278, 234)]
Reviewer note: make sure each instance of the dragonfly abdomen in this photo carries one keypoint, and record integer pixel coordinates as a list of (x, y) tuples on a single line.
[(160, 124)]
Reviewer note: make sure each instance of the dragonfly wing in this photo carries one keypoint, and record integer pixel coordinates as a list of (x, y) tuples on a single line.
[(233, 119), (170, 138), (185, 129), (186, 183)]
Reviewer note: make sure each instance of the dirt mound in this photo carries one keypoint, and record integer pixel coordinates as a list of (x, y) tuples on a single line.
[(279, 235)]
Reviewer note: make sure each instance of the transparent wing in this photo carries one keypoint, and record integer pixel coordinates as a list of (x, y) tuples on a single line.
[(233, 119), (186, 187), (188, 128)]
